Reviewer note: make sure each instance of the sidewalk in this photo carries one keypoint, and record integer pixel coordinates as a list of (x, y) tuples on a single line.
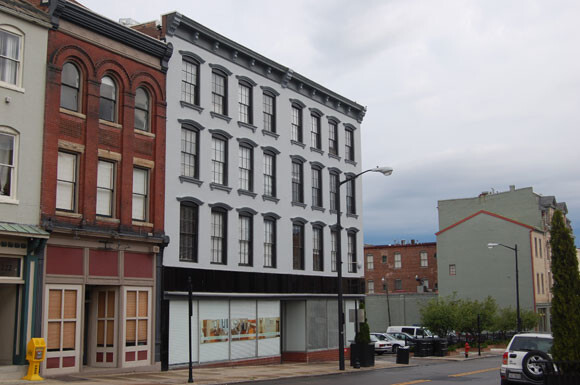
[(233, 374)]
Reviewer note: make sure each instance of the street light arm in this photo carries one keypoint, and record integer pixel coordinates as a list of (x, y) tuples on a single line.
[(492, 245), (384, 170)]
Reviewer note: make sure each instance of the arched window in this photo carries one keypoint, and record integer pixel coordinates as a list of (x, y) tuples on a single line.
[(108, 100), (141, 109), (10, 55), (70, 87)]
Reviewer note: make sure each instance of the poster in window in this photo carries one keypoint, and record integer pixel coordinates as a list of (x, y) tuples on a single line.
[(269, 327), (214, 330), (243, 329)]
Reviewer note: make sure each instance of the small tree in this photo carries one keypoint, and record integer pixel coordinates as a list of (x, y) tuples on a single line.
[(439, 315), (566, 300), (506, 320), (469, 310), (530, 319)]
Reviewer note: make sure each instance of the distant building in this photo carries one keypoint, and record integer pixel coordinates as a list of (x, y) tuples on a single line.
[(516, 217)]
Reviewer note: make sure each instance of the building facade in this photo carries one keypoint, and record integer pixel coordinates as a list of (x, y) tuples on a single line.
[(103, 187), (515, 217), (251, 201), (23, 38)]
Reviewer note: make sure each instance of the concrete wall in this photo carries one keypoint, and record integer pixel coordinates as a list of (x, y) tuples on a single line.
[(404, 309), (521, 205), (481, 271)]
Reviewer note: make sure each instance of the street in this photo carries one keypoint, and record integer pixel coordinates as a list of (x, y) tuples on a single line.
[(483, 371)]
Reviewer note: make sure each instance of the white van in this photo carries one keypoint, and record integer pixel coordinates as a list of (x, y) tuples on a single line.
[(413, 331)]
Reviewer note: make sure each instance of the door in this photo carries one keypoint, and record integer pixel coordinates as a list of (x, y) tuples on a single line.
[(104, 305), (62, 328)]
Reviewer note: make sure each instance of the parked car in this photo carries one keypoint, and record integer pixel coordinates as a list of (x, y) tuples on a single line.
[(522, 359), (393, 343), (409, 341), (413, 331), (380, 346)]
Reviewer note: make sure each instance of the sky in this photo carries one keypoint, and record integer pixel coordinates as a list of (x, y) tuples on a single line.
[(463, 96)]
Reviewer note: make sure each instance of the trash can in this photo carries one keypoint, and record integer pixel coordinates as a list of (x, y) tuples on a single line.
[(403, 355), (440, 347), (422, 347)]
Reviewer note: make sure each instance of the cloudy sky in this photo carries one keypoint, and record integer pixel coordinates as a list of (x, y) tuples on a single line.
[(463, 96)]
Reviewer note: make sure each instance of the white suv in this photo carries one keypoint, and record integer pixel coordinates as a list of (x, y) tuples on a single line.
[(523, 356)]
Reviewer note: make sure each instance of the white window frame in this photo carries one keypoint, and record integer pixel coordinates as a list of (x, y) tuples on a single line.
[(16, 32), (424, 259), (370, 262), (110, 189), (398, 261), (75, 182), (370, 286), (12, 197), (146, 195)]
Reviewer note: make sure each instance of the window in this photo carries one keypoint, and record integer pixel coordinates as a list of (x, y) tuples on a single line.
[(538, 282), (137, 325), (370, 262), (298, 246), (218, 160), (350, 197), (189, 79), (140, 194), (316, 187), (536, 247), (332, 137), (542, 280), (8, 158), (424, 260), (269, 174), (245, 102), (66, 185), (218, 235), (334, 204), (315, 132), (370, 287), (296, 125), (108, 100), (269, 242), (384, 259), (219, 93), (188, 225), (105, 188), (452, 270), (246, 168), (10, 59), (269, 112), (189, 151), (333, 249), (398, 263), (70, 87), (398, 284), (540, 247), (349, 145), (297, 182), (141, 109), (317, 250), (351, 253), (245, 239)]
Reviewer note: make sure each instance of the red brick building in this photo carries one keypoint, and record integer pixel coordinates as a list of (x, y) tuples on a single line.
[(403, 268), (103, 192)]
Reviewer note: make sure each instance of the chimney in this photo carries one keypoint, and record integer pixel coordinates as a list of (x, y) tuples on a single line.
[(402, 242), (512, 187), (412, 241)]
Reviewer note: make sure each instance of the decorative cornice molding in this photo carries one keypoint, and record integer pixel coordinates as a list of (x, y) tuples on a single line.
[(192, 55), (189, 122)]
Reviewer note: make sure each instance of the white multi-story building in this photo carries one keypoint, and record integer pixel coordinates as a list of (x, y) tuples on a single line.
[(254, 155)]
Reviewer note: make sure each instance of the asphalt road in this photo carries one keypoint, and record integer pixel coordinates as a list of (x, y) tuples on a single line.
[(483, 371)]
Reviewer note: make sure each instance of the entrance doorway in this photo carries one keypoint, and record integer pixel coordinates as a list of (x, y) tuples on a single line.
[(101, 337), (8, 306)]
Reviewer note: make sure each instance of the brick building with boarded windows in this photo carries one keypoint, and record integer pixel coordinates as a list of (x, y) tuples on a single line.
[(102, 191)]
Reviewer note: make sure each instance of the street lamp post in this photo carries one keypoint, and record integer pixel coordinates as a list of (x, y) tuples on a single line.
[(515, 249), (386, 283), (385, 171)]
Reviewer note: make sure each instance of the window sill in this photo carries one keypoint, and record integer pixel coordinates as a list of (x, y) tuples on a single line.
[(333, 156), (215, 186), (269, 198), (110, 124), (187, 260), (68, 214), (12, 87), (355, 216), (269, 267), (245, 264), (107, 219), (189, 179), (270, 133), (218, 263), (9, 201), (144, 133), (247, 193), (350, 162), (191, 106), (314, 149), (73, 113), (247, 125), (297, 144), (318, 208), (142, 224), (220, 116), (299, 204)]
